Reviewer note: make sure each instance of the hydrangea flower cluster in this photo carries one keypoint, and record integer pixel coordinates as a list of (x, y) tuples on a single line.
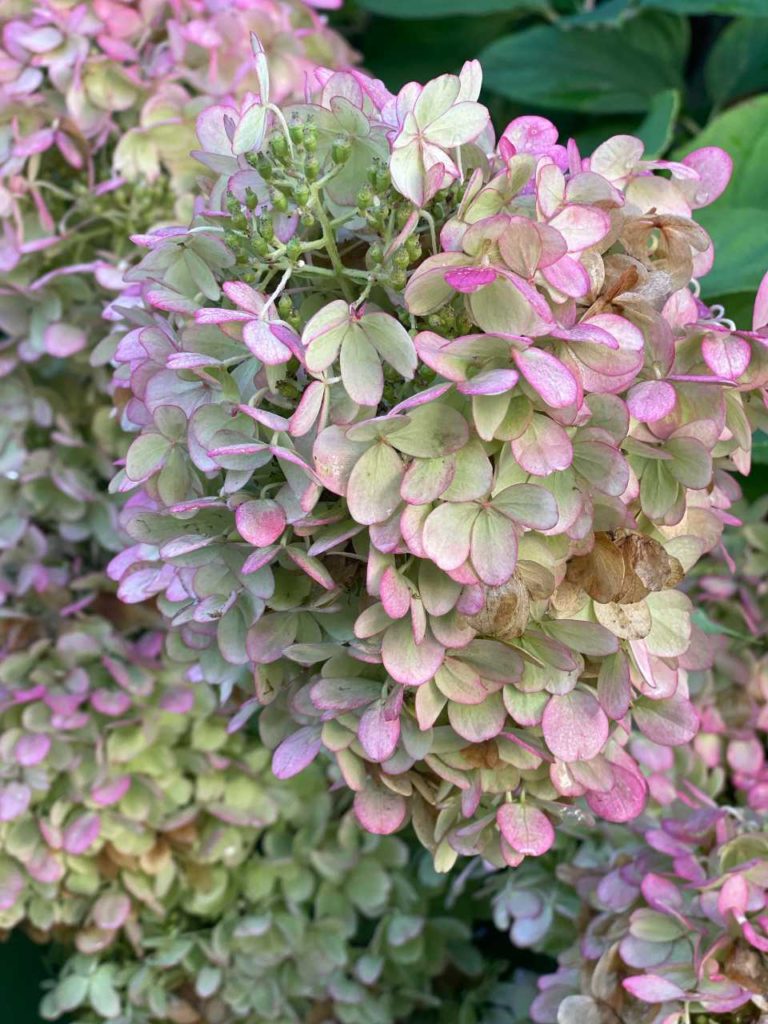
[(677, 926), (97, 110), (194, 885), (430, 426), (98, 102), (663, 921)]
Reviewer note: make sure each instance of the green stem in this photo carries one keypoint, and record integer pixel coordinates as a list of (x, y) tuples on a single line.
[(330, 243)]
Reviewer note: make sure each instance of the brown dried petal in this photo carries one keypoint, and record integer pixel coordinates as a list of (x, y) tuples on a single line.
[(747, 967), (506, 611), (627, 621), (647, 559), (601, 572), (539, 582)]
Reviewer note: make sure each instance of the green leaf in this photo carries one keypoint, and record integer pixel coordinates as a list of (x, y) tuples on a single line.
[(736, 65), (760, 448), (604, 70), (741, 249), (734, 8), (102, 993), (658, 126), (71, 991), (447, 8)]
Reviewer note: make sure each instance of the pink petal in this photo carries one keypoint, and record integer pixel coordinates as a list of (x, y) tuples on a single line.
[(726, 355), (651, 401), (760, 315), (296, 752), (378, 735), (625, 801), (379, 810), (470, 279), (64, 340), (527, 829), (260, 522), (80, 835), (714, 168), (260, 338), (575, 727), (548, 377), (651, 988), (32, 748)]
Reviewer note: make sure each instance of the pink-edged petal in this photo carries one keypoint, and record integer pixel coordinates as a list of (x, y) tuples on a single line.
[(527, 829), (575, 727), (260, 522), (379, 810), (493, 547), (447, 533), (651, 988), (581, 226), (490, 382), (714, 167), (395, 593), (406, 661), (548, 377), (260, 338), (760, 314), (727, 355), (378, 734), (543, 448), (651, 400), (568, 276), (296, 752)]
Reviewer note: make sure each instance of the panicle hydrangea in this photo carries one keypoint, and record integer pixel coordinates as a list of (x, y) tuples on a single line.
[(664, 921), (195, 885), (430, 427), (98, 102)]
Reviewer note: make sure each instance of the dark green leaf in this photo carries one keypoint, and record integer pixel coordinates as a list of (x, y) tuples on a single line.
[(610, 13), (447, 8), (737, 64), (601, 70), (734, 8), (741, 249), (658, 127), (760, 448)]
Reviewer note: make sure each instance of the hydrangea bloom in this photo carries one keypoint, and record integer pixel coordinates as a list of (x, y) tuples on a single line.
[(676, 926), (430, 428), (663, 921), (98, 103)]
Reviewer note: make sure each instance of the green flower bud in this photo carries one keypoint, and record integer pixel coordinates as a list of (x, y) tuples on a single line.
[(301, 194), (293, 250), (364, 198), (279, 202), (340, 151), (312, 168), (310, 138), (296, 132), (401, 259), (279, 145)]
